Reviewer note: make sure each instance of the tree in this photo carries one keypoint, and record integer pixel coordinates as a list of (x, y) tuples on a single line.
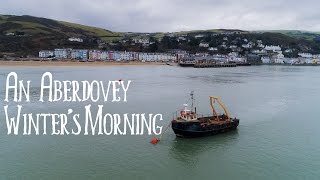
[(153, 47)]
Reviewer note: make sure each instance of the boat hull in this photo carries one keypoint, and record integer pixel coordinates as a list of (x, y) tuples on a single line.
[(186, 64), (243, 64), (199, 129)]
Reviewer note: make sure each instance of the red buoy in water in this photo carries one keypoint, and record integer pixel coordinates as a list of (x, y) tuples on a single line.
[(154, 141)]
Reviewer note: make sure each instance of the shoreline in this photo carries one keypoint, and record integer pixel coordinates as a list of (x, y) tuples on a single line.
[(32, 63)]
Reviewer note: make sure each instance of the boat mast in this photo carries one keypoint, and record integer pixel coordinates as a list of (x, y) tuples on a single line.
[(192, 100)]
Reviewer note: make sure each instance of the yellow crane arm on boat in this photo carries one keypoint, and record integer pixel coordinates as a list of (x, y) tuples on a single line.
[(214, 98)]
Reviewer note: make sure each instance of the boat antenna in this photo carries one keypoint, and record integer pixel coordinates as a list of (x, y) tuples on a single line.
[(192, 99)]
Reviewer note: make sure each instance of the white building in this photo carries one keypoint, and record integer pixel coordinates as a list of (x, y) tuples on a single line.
[(46, 54), (247, 46), (213, 49), (141, 41), (181, 38), (95, 55), (316, 56), (74, 39), (80, 54), (62, 53), (279, 58), (199, 36), (10, 34), (257, 51), (171, 35), (273, 48), (223, 46), (104, 55), (234, 57), (205, 45), (159, 57), (265, 59), (308, 58), (125, 56), (288, 51), (305, 55)]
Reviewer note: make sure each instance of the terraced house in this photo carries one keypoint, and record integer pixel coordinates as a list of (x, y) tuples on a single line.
[(62, 53), (80, 54), (98, 55), (46, 53)]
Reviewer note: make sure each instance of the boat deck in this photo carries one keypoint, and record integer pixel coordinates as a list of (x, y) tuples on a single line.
[(209, 120)]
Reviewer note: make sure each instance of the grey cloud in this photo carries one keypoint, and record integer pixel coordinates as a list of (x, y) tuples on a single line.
[(175, 15)]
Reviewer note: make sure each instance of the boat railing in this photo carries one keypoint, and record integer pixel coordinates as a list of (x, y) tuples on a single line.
[(176, 114), (208, 115)]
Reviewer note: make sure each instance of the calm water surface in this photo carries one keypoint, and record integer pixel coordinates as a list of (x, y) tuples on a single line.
[(278, 136)]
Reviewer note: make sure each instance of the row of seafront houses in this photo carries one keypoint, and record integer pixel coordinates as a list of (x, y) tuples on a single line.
[(232, 57), (98, 55), (267, 55), (274, 55)]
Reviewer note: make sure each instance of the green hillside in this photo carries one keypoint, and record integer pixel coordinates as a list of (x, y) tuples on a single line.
[(34, 33), (95, 31), (308, 35), (26, 35)]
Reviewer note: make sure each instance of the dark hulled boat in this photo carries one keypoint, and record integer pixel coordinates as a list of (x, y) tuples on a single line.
[(243, 64), (189, 124), (187, 63)]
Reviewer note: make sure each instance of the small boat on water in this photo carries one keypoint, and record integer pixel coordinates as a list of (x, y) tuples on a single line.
[(187, 62), (190, 124)]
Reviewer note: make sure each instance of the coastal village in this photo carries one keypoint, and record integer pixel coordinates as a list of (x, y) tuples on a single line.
[(255, 53), (188, 49), (69, 42)]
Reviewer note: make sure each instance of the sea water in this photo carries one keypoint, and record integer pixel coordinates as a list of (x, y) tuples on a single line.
[(278, 108)]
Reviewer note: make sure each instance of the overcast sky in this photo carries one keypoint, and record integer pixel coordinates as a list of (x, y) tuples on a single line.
[(175, 15)]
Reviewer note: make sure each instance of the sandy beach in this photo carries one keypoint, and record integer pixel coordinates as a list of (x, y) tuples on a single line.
[(77, 63)]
